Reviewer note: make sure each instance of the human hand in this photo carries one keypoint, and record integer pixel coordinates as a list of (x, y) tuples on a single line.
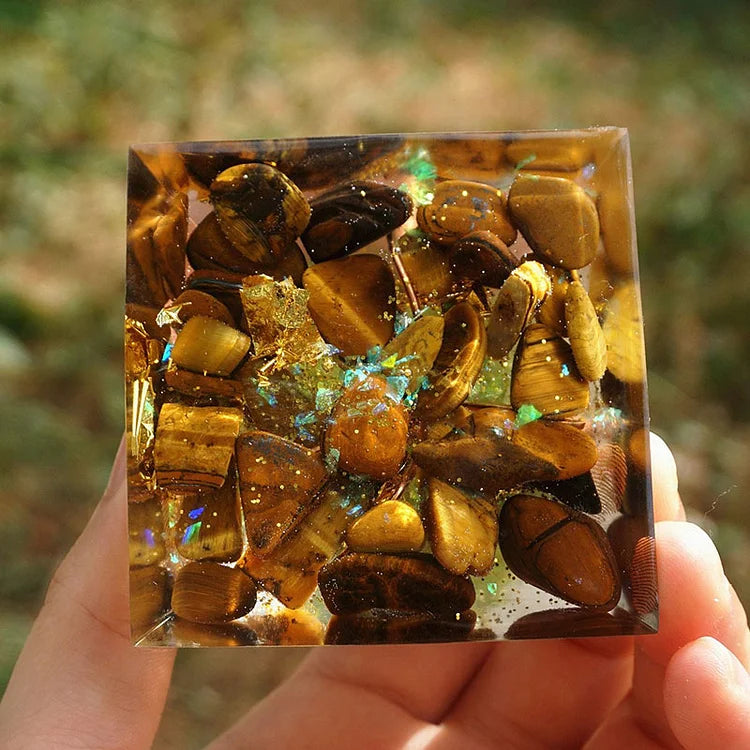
[(79, 682)]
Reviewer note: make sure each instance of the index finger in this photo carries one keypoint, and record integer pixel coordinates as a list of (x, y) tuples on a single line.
[(667, 503), (78, 676)]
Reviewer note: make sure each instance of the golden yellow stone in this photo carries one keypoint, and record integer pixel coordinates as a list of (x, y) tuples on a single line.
[(352, 301), (209, 346), (462, 529), (391, 526), (545, 374), (194, 444), (623, 331), (585, 333), (557, 218)]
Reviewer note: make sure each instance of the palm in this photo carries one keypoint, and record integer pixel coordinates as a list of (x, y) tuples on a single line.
[(597, 693)]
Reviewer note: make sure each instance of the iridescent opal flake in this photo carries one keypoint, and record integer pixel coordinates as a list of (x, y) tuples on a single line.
[(386, 389)]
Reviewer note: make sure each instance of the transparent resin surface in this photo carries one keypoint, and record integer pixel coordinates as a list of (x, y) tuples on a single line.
[(386, 389)]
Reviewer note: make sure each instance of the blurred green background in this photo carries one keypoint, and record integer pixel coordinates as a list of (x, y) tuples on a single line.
[(81, 80)]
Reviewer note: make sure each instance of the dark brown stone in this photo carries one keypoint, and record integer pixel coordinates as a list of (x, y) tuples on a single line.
[(352, 216), (360, 581), (388, 626), (559, 550)]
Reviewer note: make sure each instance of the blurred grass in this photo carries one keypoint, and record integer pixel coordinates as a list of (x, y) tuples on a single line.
[(81, 80)]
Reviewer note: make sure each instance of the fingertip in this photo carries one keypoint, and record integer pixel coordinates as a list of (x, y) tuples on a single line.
[(707, 696), (695, 597), (667, 503), (693, 591)]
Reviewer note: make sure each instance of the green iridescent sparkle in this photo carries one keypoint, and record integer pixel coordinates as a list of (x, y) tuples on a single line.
[(420, 165), (525, 162), (423, 173), (527, 413)]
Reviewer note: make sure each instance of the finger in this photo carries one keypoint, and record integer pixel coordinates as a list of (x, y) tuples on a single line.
[(544, 693), (667, 503), (78, 679), (360, 696), (707, 697), (695, 597), (695, 600), (424, 680), (520, 682)]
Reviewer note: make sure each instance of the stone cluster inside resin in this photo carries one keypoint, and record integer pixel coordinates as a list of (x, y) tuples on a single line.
[(386, 389)]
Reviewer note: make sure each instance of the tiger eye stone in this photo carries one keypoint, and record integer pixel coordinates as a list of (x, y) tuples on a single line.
[(207, 592), (291, 571), (516, 302), (482, 257), (146, 533), (194, 445), (558, 155), (545, 374), (494, 455), (193, 302), (357, 582), (623, 333), (209, 346), (278, 479), (368, 430), (426, 270), (389, 626), (259, 210), (209, 248), (551, 312), (559, 550), (352, 302), (205, 525), (557, 218), (459, 207), (586, 336), (156, 249), (416, 348), (150, 591), (457, 363), (352, 216), (202, 389), (462, 529)]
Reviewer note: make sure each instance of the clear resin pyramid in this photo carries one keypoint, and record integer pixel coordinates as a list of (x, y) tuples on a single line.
[(386, 389)]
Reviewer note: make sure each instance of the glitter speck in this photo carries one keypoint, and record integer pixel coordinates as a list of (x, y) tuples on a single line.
[(492, 587)]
